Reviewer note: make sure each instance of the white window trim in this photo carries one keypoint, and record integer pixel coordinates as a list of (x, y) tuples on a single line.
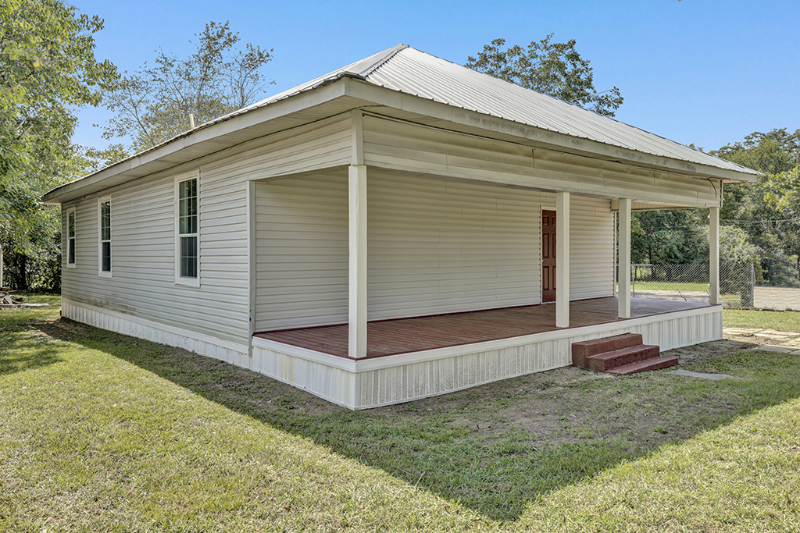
[(100, 271), (179, 280), (71, 210)]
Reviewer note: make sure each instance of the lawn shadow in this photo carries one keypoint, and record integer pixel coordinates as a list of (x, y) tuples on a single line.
[(24, 349), (494, 448)]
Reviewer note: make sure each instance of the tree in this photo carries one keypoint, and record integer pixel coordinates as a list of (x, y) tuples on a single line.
[(153, 104), (769, 210), (668, 237), (555, 69), (47, 68)]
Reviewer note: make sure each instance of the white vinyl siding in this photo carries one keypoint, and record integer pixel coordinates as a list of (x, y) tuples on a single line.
[(591, 248), (438, 246), (434, 246), (144, 237), (397, 145), (144, 264), (301, 252)]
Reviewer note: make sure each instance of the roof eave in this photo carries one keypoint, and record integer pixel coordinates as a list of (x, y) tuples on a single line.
[(195, 143), (210, 137), (415, 104)]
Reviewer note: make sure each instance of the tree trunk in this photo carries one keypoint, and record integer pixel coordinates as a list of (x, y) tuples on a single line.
[(20, 274)]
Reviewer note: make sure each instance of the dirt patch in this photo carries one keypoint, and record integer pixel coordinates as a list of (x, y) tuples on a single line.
[(708, 350), (63, 325), (571, 404)]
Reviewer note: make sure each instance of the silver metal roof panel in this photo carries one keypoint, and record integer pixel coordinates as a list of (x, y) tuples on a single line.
[(410, 71), (414, 72)]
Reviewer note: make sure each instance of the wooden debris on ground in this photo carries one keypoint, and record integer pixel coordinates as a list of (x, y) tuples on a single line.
[(9, 301)]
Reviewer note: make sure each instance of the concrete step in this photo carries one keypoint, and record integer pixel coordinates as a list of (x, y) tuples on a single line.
[(609, 360), (582, 350), (655, 363)]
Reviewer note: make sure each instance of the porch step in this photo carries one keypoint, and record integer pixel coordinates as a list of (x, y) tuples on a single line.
[(621, 355), (655, 363), (584, 349), (609, 360)]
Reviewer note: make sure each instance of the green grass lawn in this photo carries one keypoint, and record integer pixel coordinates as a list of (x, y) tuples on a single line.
[(668, 286), (782, 321), (102, 432), (686, 288)]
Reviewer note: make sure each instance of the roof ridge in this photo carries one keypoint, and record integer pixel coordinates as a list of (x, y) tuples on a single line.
[(367, 66)]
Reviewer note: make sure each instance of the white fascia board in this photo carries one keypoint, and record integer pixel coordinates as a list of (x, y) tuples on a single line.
[(422, 106), (191, 145)]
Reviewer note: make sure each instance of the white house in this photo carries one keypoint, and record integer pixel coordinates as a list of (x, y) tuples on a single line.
[(376, 235)]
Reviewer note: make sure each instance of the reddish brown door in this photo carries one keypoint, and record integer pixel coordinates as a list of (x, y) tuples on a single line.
[(548, 256)]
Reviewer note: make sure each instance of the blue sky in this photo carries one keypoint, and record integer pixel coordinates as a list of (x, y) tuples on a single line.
[(707, 72)]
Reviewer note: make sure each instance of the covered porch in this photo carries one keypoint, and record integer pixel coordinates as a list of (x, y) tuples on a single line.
[(416, 334), (446, 353), (393, 278)]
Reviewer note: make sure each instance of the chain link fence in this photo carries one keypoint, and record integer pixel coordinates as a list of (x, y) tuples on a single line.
[(690, 282)]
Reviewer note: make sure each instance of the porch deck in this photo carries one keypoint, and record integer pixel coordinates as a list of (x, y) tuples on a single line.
[(404, 335)]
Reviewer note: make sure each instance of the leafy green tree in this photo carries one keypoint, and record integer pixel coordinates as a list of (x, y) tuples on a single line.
[(555, 69), (668, 237), (47, 69), (769, 210), (153, 104), (87, 159), (772, 153)]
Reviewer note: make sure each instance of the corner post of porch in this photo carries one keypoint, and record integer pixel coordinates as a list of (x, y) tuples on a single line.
[(624, 258), (357, 242), (357, 188), (562, 259), (713, 256), (251, 268)]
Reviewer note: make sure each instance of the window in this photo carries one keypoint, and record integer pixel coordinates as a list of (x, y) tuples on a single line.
[(105, 237), (187, 241), (71, 238)]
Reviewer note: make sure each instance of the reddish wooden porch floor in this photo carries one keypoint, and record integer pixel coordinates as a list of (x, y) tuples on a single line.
[(389, 337)]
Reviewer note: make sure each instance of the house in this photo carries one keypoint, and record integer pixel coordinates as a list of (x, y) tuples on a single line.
[(400, 228)]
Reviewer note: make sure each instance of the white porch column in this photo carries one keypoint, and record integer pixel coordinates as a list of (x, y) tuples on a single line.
[(357, 188), (624, 258), (713, 255), (562, 260)]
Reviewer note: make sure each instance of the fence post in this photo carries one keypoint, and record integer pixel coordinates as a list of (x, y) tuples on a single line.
[(751, 288)]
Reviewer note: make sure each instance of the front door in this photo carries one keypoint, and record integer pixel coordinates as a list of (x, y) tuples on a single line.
[(548, 256)]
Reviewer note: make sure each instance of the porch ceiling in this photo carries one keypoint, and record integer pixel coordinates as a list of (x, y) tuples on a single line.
[(390, 337)]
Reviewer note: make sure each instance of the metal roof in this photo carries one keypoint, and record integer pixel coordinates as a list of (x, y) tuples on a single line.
[(414, 72), (410, 71)]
